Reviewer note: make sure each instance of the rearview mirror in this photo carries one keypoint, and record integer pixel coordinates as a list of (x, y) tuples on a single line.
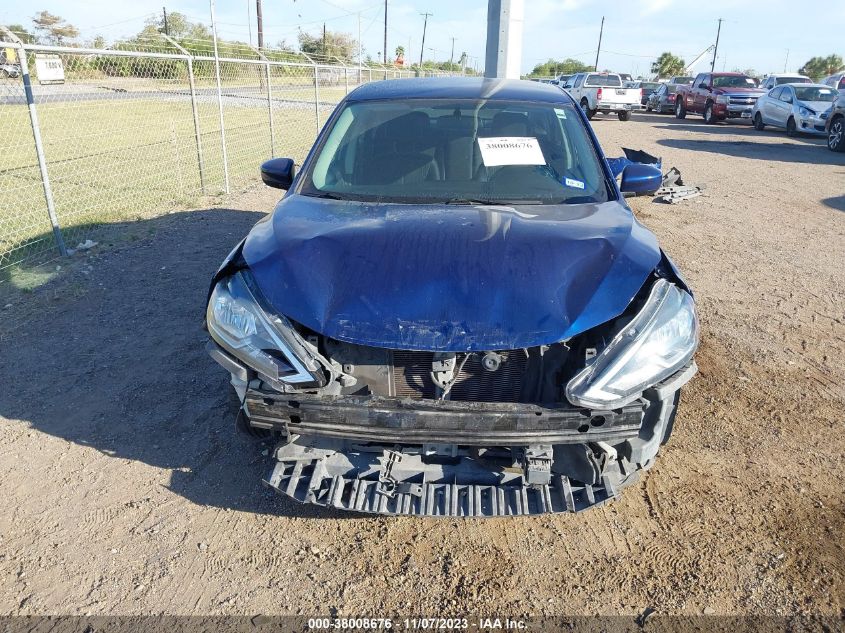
[(640, 178), (278, 172)]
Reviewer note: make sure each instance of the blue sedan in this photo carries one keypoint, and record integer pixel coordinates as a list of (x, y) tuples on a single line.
[(453, 311)]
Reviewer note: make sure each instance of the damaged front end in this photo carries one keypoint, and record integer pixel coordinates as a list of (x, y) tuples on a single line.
[(546, 428)]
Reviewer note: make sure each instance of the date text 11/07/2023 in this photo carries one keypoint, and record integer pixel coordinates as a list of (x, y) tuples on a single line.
[(417, 624)]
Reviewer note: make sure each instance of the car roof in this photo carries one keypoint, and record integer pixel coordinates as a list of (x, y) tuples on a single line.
[(786, 75), (458, 88)]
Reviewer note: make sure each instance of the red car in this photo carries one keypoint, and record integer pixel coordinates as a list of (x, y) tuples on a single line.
[(718, 96)]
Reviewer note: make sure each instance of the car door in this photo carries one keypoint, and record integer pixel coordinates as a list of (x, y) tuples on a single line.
[(577, 87), (701, 91), (784, 106), (768, 106)]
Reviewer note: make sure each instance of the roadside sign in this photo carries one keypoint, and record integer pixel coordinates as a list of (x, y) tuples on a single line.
[(49, 69)]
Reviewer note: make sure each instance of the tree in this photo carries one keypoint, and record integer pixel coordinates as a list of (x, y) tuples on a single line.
[(335, 44), (54, 28), (552, 68), (178, 25), (26, 36), (819, 67), (668, 65)]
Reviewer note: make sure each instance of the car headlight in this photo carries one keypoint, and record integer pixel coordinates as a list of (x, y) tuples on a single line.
[(805, 112), (261, 340), (722, 99), (656, 343)]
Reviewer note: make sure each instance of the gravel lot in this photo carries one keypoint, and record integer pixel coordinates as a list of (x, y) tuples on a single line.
[(126, 489)]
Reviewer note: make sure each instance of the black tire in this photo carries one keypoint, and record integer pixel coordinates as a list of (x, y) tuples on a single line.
[(836, 135), (758, 122), (585, 106), (680, 110), (624, 116), (648, 108), (710, 114), (791, 130)]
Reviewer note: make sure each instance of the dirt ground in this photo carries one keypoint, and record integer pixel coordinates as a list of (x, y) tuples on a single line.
[(125, 489)]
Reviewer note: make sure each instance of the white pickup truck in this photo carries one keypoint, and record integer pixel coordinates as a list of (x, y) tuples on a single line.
[(604, 92)]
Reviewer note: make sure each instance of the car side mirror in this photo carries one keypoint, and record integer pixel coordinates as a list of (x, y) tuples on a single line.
[(278, 172), (641, 178), (704, 86)]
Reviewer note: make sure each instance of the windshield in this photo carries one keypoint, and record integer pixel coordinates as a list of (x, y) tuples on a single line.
[(815, 93), (648, 85), (457, 151), (791, 80), (683, 80), (733, 81), (603, 80)]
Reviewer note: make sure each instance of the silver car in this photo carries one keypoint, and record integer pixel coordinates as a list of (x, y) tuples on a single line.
[(795, 107)]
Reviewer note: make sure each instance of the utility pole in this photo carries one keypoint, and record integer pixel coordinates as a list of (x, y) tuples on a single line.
[(260, 20), (324, 39), (716, 48), (422, 46), (598, 50), (166, 30), (384, 57), (786, 61), (249, 21), (452, 56)]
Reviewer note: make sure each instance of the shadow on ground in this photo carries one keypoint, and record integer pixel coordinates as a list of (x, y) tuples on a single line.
[(111, 355), (837, 202)]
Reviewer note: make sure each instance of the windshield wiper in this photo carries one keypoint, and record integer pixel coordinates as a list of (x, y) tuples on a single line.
[(325, 194)]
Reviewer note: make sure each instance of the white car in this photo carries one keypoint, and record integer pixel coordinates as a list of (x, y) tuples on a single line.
[(773, 81), (795, 107), (604, 92)]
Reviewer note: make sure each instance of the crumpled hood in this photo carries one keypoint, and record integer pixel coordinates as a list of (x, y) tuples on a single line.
[(449, 278)]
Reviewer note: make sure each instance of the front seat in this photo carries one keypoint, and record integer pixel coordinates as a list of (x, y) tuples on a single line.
[(402, 152)]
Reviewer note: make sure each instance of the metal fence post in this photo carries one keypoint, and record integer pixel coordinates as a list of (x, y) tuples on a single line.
[(270, 110), (317, 97), (197, 134), (220, 101), (39, 148), (191, 84)]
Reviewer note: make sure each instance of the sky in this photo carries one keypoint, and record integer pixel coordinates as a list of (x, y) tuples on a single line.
[(635, 31)]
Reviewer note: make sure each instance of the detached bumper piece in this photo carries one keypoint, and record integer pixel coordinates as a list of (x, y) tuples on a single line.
[(313, 482)]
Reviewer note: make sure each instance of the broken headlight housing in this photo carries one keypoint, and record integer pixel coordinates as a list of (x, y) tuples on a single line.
[(656, 343), (265, 342)]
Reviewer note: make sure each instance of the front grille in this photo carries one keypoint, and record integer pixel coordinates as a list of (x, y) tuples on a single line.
[(412, 379), (743, 100)]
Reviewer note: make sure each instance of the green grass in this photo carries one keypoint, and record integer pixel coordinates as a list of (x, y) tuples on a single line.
[(114, 160)]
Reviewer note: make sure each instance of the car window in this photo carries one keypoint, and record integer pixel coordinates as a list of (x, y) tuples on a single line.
[(733, 81), (597, 79), (786, 94), (775, 94), (815, 93), (650, 85), (436, 151)]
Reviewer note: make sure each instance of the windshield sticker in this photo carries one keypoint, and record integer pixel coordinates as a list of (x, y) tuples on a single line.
[(561, 114), (571, 182), (510, 150)]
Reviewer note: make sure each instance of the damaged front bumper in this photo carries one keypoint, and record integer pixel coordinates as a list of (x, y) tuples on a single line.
[(443, 458)]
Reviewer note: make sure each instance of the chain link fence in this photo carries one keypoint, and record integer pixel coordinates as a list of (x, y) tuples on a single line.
[(139, 129)]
